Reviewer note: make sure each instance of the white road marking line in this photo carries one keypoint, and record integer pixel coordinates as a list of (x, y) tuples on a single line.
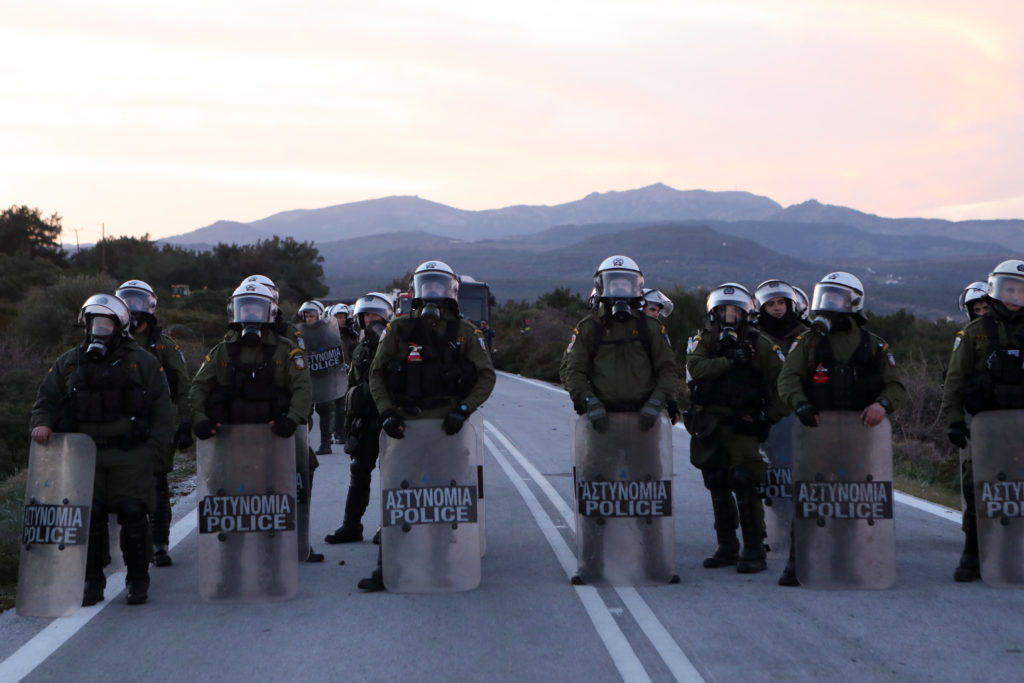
[(625, 659), (663, 643), (25, 659)]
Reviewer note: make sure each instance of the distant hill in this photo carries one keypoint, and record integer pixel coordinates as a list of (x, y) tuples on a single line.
[(408, 214)]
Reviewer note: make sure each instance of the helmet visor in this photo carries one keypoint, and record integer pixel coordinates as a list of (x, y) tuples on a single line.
[(101, 326), (833, 298), (732, 296), (1007, 288), (435, 285), (138, 300), (251, 309), (621, 284)]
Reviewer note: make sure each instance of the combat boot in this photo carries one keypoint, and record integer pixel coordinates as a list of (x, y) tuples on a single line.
[(95, 581), (93, 592), (160, 556), (135, 526), (348, 532), (373, 583), (727, 552), (969, 568), (752, 558)]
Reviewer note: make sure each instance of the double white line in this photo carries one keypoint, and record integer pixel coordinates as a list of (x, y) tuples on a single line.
[(622, 653)]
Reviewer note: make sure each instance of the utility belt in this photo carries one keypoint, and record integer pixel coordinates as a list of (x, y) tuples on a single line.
[(415, 406), (125, 442), (630, 407)]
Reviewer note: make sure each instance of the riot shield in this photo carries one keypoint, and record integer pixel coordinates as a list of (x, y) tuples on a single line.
[(55, 531), (477, 421), (326, 365), (247, 526), (430, 540), (777, 491), (999, 496), (302, 490), (843, 503), (625, 535)]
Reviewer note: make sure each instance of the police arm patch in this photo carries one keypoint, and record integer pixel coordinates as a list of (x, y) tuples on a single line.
[(956, 342), (298, 360), (692, 343)]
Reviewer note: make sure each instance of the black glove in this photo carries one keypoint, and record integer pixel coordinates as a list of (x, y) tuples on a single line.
[(393, 424), (452, 422), (204, 429), (808, 414), (673, 411), (958, 434), (597, 415), (283, 426), (649, 414), (739, 355), (183, 437)]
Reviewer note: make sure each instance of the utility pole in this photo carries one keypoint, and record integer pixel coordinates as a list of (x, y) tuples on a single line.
[(78, 248)]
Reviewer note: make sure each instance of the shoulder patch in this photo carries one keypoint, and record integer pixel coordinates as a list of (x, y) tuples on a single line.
[(892, 361), (959, 340), (692, 343), (667, 340), (299, 362), (571, 342), (301, 343), (779, 353), (793, 345)]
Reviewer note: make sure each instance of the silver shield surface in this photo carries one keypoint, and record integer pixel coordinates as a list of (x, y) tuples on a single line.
[(999, 496), (247, 520), (430, 538), (324, 357), (843, 508), (625, 535), (55, 529), (777, 490)]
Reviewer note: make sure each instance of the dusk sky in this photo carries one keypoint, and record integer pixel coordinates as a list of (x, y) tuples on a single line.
[(163, 117)]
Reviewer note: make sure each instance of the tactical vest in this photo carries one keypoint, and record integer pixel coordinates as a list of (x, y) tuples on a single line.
[(853, 385), (435, 370), (641, 335), (1000, 384), (250, 394), (742, 388), (102, 392)]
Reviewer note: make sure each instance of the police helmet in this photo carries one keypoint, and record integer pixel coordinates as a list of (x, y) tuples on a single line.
[(138, 296), (253, 303), (311, 306), (339, 309), (434, 281), (1006, 283), (619, 277), (973, 292), (374, 302), (801, 304), (775, 289), (106, 305), (266, 282), (653, 296), (730, 294), (838, 292)]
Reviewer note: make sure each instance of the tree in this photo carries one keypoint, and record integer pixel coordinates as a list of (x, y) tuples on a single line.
[(25, 233)]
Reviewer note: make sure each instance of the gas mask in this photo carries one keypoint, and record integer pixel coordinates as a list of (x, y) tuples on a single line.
[(101, 335), (728, 337), (821, 324), (251, 335), (376, 328), (430, 310), (620, 309)]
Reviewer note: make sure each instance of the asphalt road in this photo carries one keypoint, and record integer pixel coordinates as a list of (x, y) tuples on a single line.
[(525, 621)]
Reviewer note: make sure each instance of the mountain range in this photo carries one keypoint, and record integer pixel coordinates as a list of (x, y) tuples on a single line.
[(694, 238)]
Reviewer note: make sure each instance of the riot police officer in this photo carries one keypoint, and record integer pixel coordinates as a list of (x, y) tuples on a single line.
[(733, 368), (984, 374), (361, 425), (837, 365), (429, 364), (111, 389), (780, 316), (141, 301), (349, 338), (619, 360), (309, 313), (656, 304), (254, 375)]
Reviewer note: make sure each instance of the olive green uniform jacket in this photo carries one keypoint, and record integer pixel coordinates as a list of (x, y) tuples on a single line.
[(721, 446), (121, 474), (970, 353), (800, 364), (391, 347), (290, 373), (621, 372)]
